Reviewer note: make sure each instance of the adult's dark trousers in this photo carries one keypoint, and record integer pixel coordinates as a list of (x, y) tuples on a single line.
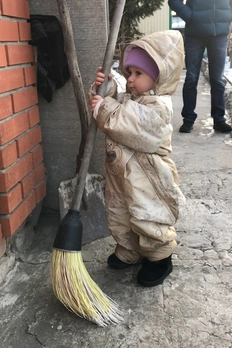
[(194, 51)]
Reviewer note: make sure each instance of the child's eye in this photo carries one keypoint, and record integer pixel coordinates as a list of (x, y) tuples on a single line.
[(138, 73)]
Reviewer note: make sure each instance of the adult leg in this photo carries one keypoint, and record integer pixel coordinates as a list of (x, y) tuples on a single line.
[(194, 50), (217, 50)]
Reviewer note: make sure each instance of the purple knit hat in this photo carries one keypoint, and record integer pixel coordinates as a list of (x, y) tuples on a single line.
[(140, 59)]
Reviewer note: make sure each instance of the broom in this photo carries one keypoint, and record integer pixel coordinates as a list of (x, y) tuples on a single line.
[(71, 282)]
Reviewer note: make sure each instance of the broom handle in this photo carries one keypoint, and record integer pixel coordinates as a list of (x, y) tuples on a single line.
[(74, 70), (92, 130)]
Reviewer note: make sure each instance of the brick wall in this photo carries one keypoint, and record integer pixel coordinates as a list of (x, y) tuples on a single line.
[(22, 176)]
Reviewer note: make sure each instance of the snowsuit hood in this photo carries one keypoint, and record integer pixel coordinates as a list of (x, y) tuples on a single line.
[(167, 50)]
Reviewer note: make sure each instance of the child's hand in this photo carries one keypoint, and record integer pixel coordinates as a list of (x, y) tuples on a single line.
[(100, 77), (94, 102)]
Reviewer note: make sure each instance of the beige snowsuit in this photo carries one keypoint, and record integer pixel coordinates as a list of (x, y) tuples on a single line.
[(142, 195)]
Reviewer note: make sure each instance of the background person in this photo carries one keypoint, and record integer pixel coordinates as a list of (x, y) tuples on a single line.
[(207, 26)]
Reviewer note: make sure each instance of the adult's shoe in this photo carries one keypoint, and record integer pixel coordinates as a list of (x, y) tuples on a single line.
[(186, 127), (222, 127)]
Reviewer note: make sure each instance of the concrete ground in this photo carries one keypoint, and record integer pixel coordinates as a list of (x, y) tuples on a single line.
[(191, 309)]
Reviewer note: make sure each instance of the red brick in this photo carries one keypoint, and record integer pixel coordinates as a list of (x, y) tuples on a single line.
[(3, 56), (8, 31), (10, 200), (16, 8), (11, 79), (8, 155), (30, 75), (11, 176), (40, 191), (28, 141), (32, 180), (24, 99), (6, 108), (37, 155), (19, 54), (24, 31), (10, 223), (13, 127), (33, 115)]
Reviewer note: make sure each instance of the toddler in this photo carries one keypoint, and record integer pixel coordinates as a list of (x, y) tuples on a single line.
[(142, 196)]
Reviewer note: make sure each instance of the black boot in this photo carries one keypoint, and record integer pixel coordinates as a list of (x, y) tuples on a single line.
[(114, 262), (154, 273), (186, 127), (222, 127)]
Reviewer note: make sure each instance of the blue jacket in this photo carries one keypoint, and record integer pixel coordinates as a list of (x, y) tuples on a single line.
[(204, 17)]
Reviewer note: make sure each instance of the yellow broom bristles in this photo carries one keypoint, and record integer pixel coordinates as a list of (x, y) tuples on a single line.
[(73, 286)]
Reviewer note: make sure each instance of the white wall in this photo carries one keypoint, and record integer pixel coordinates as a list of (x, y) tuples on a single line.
[(159, 21)]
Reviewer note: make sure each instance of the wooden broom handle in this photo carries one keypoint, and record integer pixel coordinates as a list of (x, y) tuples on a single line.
[(92, 130), (74, 70)]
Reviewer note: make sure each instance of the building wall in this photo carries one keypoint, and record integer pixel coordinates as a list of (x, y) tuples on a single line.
[(158, 22), (28, 121), (60, 121), (22, 175)]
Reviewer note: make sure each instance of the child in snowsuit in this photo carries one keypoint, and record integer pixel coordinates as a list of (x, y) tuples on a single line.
[(142, 196)]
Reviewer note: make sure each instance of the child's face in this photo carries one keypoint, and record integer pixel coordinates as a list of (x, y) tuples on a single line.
[(138, 81)]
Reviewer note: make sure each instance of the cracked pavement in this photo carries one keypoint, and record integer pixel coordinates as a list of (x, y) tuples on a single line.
[(191, 309)]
